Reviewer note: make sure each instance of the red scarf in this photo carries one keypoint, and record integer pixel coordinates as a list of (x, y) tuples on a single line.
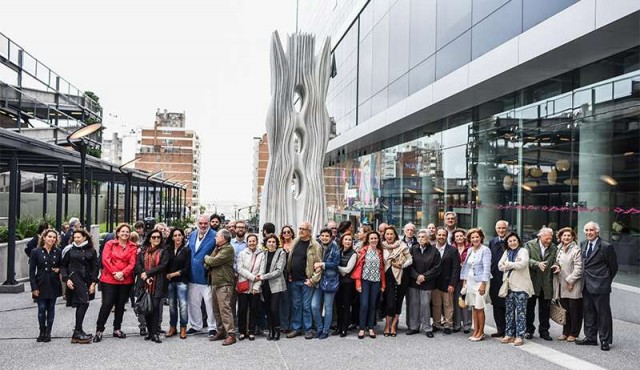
[(151, 260)]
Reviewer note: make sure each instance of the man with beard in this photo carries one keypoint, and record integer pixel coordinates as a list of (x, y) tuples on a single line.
[(215, 222)]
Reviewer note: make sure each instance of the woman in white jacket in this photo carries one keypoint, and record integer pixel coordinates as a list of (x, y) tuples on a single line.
[(251, 263), (515, 265)]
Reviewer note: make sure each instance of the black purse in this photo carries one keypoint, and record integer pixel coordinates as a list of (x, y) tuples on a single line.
[(144, 305)]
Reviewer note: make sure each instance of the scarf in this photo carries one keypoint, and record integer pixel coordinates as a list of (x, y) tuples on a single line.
[(394, 253), (512, 254), (151, 260), (73, 245)]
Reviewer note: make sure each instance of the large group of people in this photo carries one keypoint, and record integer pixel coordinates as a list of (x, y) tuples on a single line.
[(238, 284)]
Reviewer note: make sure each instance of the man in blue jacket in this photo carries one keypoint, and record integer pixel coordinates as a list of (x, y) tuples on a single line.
[(201, 244)]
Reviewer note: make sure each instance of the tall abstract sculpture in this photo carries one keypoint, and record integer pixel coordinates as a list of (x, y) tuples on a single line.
[(293, 188)]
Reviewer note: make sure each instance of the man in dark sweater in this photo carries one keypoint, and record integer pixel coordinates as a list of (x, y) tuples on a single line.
[(497, 246), (425, 269), (446, 282)]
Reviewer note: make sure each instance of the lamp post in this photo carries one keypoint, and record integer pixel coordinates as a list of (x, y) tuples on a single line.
[(76, 140)]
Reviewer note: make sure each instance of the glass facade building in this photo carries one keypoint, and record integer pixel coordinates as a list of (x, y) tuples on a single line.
[(553, 139)]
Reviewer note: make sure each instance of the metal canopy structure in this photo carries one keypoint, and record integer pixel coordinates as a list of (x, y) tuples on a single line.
[(21, 153)]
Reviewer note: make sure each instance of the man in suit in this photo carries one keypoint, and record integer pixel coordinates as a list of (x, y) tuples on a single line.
[(600, 265), (201, 244), (542, 255), (497, 246), (442, 295)]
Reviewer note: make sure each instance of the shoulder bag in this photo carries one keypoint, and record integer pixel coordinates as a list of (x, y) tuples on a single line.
[(243, 286), (557, 313)]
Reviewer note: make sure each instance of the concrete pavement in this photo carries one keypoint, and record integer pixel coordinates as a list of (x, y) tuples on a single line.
[(18, 348)]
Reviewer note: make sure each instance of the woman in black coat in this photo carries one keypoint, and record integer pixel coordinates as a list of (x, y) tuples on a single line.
[(79, 271), (44, 276), (151, 269)]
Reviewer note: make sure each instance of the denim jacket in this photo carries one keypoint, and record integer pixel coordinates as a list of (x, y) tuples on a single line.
[(331, 257), (482, 268)]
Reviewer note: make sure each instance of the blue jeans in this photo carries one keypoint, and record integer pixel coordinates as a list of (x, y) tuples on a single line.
[(368, 299), (322, 299), (285, 308), (178, 301), (301, 296), (46, 311)]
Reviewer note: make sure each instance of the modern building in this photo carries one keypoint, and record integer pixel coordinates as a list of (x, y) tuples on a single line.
[(523, 110), (171, 148), (260, 161), (112, 148)]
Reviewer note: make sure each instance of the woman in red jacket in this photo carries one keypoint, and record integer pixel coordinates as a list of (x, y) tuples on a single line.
[(370, 281), (118, 262)]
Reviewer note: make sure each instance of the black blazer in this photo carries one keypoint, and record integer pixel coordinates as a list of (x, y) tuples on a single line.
[(425, 263), (600, 268), (449, 269), (180, 261), (41, 276), (159, 273)]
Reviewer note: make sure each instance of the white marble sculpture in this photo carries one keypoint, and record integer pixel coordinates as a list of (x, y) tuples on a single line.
[(293, 188)]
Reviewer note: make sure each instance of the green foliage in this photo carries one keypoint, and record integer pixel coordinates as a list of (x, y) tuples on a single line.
[(28, 226), (4, 235), (184, 223)]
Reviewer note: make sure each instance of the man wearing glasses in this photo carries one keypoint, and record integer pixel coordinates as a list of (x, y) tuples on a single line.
[(303, 277)]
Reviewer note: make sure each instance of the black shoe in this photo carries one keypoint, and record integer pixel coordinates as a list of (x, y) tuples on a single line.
[(429, 334), (212, 333), (447, 331), (143, 331), (586, 342), (436, 329), (360, 336), (546, 337), (47, 335), (156, 338), (80, 336), (98, 337), (528, 336), (497, 335), (352, 327), (336, 332), (192, 331), (604, 346), (41, 335), (276, 334), (149, 336), (412, 332), (457, 330), (119, 334), (161, 331), (343, 334), (466, 331)]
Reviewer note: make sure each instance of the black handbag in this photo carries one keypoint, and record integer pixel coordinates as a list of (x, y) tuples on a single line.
[(144, 305)]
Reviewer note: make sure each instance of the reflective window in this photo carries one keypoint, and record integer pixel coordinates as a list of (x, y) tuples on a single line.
[(536, 11), (502, 25), (364, 73), (399, 89), (454, 55), (380, 69), (366, 21), (422, 75), (422, 30), (399, 39), (482, 8), (454, 18), (379, 102)]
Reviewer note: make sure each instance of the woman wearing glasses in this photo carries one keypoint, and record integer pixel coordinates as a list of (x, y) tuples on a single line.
[(178, 277), (287, 236), (118, 263), (151, 269)]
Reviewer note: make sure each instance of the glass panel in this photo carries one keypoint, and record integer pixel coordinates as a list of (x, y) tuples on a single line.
[(364, 111), (364, 74), (14, 50), (366, 21), (4, 47), (399, 89), (380, 9), (399, 39), (422, 75), (502, 25), (536, 11), (379, 102), (482, 8), (423, 30), (28, 64), (454, 18), (454, 55), (380, 70)]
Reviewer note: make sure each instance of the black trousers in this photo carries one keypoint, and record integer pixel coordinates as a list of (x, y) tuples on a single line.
[(393, 295), (344, 302), (272, 305), (597, 317), (543, 314), (499, 306), (113, 294), (81, 311), (247, 302), (153, 319), (574, 316)]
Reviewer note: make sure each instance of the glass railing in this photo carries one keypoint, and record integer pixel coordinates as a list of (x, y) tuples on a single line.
[(11, 51)]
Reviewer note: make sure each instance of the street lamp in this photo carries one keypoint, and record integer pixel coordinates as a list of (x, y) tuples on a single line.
[(76, 140)]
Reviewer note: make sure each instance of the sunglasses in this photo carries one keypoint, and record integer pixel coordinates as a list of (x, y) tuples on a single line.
[(287, 232), (156, 237)]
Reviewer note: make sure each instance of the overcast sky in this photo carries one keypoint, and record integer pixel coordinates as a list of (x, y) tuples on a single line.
[(207, 58)]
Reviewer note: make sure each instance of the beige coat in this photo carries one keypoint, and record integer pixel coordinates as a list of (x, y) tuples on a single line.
[(519, 279), (569, 260)]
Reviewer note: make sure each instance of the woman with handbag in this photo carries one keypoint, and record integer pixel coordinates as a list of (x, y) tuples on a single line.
[(118, 262), (461, 313), (178, 276), (567, 283), (347, 289), (326, 291), (151, 269), (251, 263), (397, 256), (273, 283), (516, 289), (79, 271), (476, 273), (44, 270), (370, 281)]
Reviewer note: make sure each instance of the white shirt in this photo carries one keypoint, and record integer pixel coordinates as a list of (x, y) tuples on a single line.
[(199, 241), (543, 250), (440, 249)]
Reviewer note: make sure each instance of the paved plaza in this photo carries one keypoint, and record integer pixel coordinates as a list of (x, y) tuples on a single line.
[(19, 350)]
